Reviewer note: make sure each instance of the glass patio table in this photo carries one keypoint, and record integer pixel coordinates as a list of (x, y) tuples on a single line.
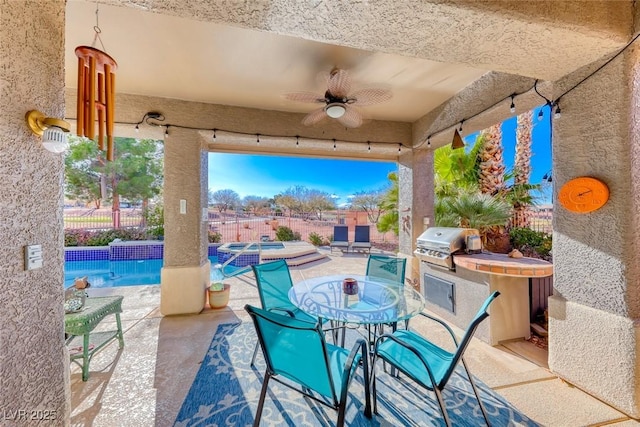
[(376, 302)]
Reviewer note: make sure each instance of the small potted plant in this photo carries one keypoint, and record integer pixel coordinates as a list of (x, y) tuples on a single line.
[(218, 294)]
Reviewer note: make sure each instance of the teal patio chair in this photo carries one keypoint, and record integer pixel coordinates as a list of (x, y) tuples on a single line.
[(429, 365), (296, 350), (387, 268), (274, 281)]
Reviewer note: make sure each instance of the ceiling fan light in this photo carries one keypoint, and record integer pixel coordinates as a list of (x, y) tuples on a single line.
[(335, 110)]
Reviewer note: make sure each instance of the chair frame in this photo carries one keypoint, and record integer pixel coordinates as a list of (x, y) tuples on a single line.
[(348, 371), (437, 387)]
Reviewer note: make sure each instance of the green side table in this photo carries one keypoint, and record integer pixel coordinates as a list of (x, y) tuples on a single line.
[(79, 326)]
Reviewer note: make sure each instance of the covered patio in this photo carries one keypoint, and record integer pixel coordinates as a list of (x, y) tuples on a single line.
[(147, 382), (481, 54)]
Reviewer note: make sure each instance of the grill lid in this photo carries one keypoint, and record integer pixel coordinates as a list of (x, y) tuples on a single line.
[(445, 239)]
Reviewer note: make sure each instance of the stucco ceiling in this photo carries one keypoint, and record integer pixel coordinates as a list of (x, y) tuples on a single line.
[(173, 57)]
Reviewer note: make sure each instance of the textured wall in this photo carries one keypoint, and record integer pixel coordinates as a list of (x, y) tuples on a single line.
[(593, 315), (594, 253), (34, 371), (542, 39)]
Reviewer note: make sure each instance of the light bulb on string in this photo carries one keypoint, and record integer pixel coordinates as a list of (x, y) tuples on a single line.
[(368, 146), (399, 147), (540, 114), (257, 139), (214, 135), (429, 141), (297, 141), (558, 113), (513, 105), (137, 127), (166, 132), (334, 145), (460, 128)]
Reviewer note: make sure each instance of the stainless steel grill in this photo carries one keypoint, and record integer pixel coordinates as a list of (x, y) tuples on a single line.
[(437, 245)]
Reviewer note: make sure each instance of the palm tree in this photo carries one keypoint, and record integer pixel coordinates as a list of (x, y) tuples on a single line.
[(477, 210), (522, 167), (492, 169), (390, 220)]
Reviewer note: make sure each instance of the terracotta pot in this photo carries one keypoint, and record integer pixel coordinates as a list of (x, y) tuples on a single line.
[(219, 299)]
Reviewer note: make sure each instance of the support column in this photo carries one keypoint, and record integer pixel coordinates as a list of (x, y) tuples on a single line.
[(34, 361), (185, 274), (415, 203), (594, 314)]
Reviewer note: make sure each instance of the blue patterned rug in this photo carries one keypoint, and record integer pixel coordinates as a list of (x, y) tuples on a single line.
[(226, 390)]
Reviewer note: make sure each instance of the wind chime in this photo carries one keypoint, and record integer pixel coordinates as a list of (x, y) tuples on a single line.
[(96, 93)]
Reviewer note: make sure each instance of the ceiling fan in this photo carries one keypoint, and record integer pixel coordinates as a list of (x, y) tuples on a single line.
[(338, 103)]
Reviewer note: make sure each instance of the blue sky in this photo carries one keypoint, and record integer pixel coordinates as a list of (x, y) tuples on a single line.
[(269, 175)]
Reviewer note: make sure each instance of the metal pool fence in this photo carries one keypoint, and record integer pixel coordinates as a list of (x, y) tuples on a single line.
[(237, 227)]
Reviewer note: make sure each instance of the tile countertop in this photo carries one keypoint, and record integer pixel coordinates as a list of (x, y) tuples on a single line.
[(503, 265)]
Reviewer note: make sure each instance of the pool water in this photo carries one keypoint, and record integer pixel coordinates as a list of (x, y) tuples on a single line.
[(106, 274)]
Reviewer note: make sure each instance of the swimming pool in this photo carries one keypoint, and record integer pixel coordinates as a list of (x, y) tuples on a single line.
[(106, 274)]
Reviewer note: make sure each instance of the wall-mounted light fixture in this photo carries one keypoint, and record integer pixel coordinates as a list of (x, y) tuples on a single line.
[(53, 131)]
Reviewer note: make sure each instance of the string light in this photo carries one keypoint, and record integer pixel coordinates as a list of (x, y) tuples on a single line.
[(429, 141), (399, 147), (297, 141), (137, 127), (166, 131), (257, 139), (214, 135), (334, 145), (512, 108), (460, 128), (558, 112), (368, 146)]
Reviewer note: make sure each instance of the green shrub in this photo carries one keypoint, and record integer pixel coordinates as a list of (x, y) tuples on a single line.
[(103, 238), (531, 242), (285, 234), (215, 237), (316, 239), (154, 217)]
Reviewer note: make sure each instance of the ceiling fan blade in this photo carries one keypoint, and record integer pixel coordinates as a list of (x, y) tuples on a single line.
[(339, 83), (366, 97), (304, 97), (351, 118), (314, 117)]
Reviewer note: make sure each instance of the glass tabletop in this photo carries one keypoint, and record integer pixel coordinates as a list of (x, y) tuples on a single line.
[(376, 300)]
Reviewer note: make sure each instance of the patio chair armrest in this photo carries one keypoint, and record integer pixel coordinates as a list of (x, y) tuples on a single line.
[(442, 323), (411, 349), (288, 312)]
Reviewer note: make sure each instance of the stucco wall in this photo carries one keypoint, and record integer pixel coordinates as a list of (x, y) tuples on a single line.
[(34, 369), (593, 326)]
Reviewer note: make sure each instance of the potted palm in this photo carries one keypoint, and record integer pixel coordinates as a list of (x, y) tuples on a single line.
[(218, 294)]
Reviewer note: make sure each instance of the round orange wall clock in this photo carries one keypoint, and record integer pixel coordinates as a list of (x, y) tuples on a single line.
[(583, 194)]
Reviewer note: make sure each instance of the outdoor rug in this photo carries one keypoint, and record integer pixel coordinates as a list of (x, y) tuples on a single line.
[(226, 391)]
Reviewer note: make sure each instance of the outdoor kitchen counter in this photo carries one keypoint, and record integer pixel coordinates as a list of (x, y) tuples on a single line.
[(509, 318), (502, 265)]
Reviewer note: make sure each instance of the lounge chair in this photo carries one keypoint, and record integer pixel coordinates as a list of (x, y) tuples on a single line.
[(361, 241), (340, 238)]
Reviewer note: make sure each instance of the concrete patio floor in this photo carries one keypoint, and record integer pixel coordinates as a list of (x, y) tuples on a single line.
[(145, 383)]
